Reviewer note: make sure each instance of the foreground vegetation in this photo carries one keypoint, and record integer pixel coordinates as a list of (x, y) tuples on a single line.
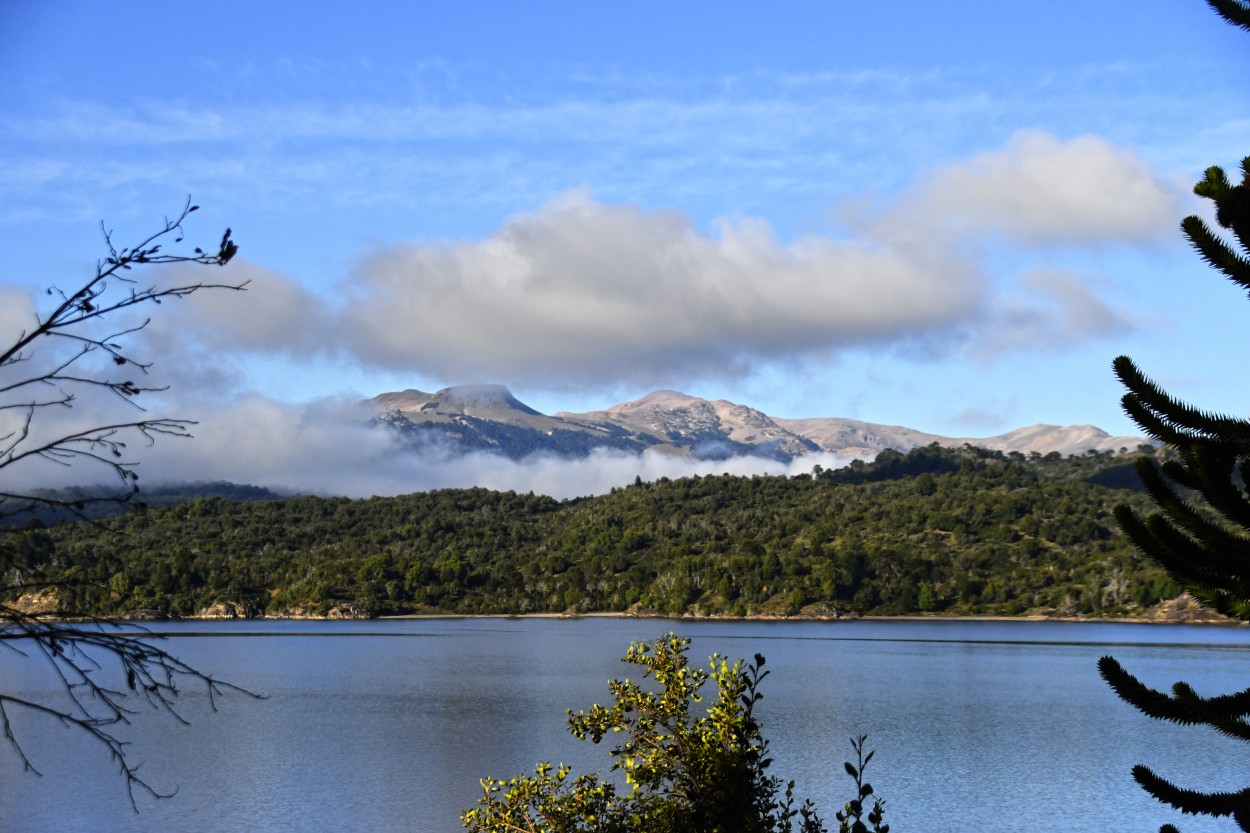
[(683, 771), (963, 531)]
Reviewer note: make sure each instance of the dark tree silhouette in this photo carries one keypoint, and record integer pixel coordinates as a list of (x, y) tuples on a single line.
[(105, 673), (49, 365), (1201, 531)]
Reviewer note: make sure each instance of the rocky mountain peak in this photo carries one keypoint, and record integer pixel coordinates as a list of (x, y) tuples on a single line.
[(663, 399), (486, 401), (489, 417), (469, 398), (403, 400)]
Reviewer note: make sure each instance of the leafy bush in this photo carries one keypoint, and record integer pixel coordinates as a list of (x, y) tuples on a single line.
[(684, 773)]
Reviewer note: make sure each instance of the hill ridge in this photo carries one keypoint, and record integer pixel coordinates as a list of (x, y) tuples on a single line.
[(487, 417)]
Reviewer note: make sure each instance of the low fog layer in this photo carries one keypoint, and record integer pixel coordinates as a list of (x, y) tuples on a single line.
[(333, 448)]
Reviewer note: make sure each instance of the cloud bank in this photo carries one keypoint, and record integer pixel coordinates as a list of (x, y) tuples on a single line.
[(584, 291), (579, 293), (1038, 190)]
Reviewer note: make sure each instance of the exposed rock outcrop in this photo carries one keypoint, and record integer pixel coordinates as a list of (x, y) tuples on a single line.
[(1185, 608), (42, 602), (223, 610)]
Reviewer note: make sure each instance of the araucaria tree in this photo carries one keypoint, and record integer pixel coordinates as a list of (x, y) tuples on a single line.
[(1201, 531), (72, 352)]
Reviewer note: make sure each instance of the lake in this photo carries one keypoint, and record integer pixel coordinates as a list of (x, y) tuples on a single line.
[(388, 725)]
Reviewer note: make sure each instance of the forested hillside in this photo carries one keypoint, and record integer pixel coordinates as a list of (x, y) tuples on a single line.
[(935, 530)]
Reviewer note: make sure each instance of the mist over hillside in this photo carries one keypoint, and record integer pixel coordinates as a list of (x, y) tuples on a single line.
[(481, 435), (460, 437)]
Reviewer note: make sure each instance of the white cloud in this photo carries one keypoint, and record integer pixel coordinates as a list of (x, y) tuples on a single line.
[(1082, 314), (582, 291), (1051, 309), (27, 427), (1041, 190), (17, 315), (274, 314), (326, 446), (579, 291)]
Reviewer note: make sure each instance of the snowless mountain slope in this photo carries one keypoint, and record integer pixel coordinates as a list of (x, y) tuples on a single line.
[(489, 417)]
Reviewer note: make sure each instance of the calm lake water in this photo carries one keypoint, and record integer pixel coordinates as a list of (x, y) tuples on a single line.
[(388, 725)]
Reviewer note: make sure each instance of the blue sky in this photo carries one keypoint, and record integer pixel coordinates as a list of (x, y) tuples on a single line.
[(933, 215)]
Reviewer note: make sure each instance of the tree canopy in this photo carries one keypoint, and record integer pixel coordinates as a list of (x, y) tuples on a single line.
[(936, 530)]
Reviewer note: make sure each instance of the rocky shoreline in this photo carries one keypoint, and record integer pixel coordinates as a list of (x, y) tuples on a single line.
[(1182, 610)]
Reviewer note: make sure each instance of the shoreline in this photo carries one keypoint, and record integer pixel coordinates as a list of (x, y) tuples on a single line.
[(1183, 610), (1134, 620), (1207, 619)]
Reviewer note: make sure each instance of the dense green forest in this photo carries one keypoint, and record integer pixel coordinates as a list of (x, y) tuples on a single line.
[(963, 531)]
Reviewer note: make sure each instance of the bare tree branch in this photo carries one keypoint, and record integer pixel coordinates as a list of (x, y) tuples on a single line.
[(76, 654), (106, 673), (28, 387)]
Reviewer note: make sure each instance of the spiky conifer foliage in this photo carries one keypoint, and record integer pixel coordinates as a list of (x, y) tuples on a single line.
[(1201, 533), (1236, 12)]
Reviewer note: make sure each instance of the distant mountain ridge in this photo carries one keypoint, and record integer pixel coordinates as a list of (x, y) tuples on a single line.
[(489, 418)]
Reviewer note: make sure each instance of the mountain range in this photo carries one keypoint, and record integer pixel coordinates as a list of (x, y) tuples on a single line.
[(489, 418)]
